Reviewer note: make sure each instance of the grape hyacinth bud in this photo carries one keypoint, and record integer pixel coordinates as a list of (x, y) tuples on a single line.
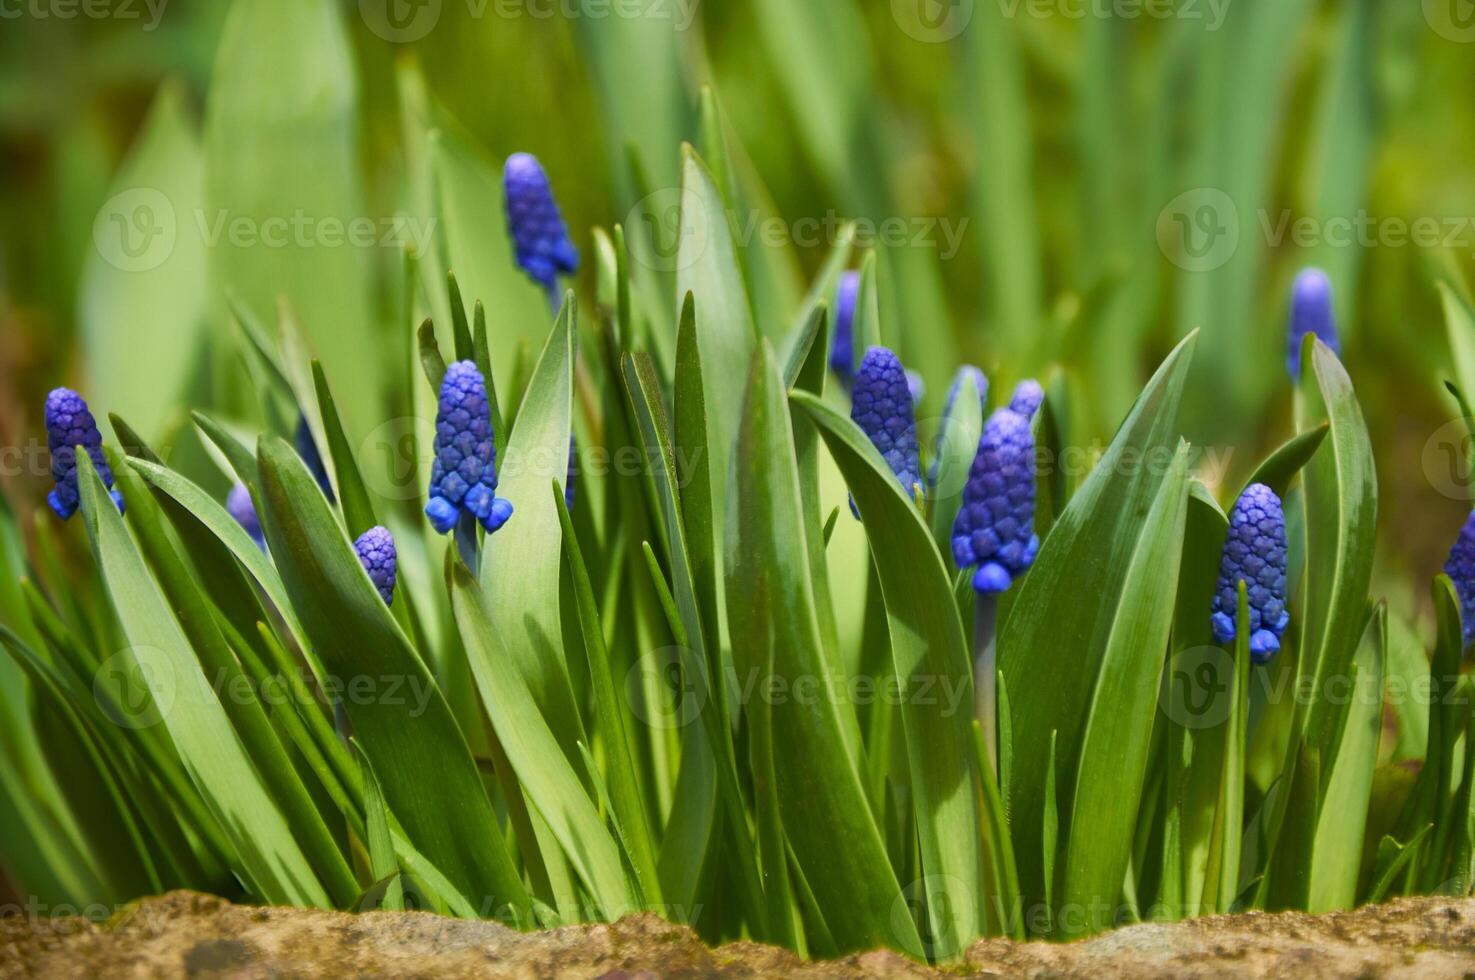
[(1311, 312), (980, 384), (842, 350), (882, 406), (1028, 397), (307, 448), (239, 503), (463, 478), (1255, 553), (539, 234), (70, 424), (995, 528), (1461, 569), (375, 548), (916, 387), (573, 469)]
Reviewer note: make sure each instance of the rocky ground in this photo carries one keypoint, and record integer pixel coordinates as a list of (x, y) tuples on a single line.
[(189, 935)]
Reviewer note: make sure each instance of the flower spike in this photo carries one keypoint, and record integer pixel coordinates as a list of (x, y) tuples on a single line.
[(539, 235), (375, 548), (1028, 397), (995, 528), (882, 406), (1461, 569), (70, 424), (463, 478), (241, 507), (980, 384), (1311, 312), (1255, 553), (842, 350)]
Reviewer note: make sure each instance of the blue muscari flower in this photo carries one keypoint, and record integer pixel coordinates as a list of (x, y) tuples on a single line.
[(463, 478), (239, 503), (539, 234), (995, 529), (307, 448), (1311, 312), (573, 470), (1028, 397), (842, 350), (1461, 569), (980, 384), (881, 405), (375, 548), (70, 424), (1254, 553)]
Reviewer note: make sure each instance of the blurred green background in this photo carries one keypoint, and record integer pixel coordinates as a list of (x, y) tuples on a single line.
[(1117, 173)]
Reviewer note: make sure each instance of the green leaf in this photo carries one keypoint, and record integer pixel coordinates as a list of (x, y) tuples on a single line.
[(1118, 731), (281, 141), (545, 773), (520, 563), (383, 863), (1341, 491), (419, 753), (961, 429), (353, 495), (145, 292), (182, 700), (819, 793), (933, 670), (1281, 466), (1054, 643)]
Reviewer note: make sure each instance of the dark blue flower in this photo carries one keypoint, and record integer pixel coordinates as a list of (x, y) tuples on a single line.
[(539, 234), (375, 548), (573, 471), (881, 405), (995, 529), (842, 350), (307, 448), (1254, 553), (70, 424), (980, 384), (463, 478), (241, 507), (1461, 569), (1312, 311)]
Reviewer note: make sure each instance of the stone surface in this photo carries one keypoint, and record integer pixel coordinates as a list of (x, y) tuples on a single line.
[(188, 935)]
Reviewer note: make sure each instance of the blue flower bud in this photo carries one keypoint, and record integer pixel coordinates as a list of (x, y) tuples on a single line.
[(1028, 397), (539, 234), (1311, 312), (995, 529), (1254, 553), (463, 478), (1461, 569), (881, 405), (375, 548), (239, 503), (916, 387), (573, 471), (842, 350), (307, 448), (980, 384), (70, 424)]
